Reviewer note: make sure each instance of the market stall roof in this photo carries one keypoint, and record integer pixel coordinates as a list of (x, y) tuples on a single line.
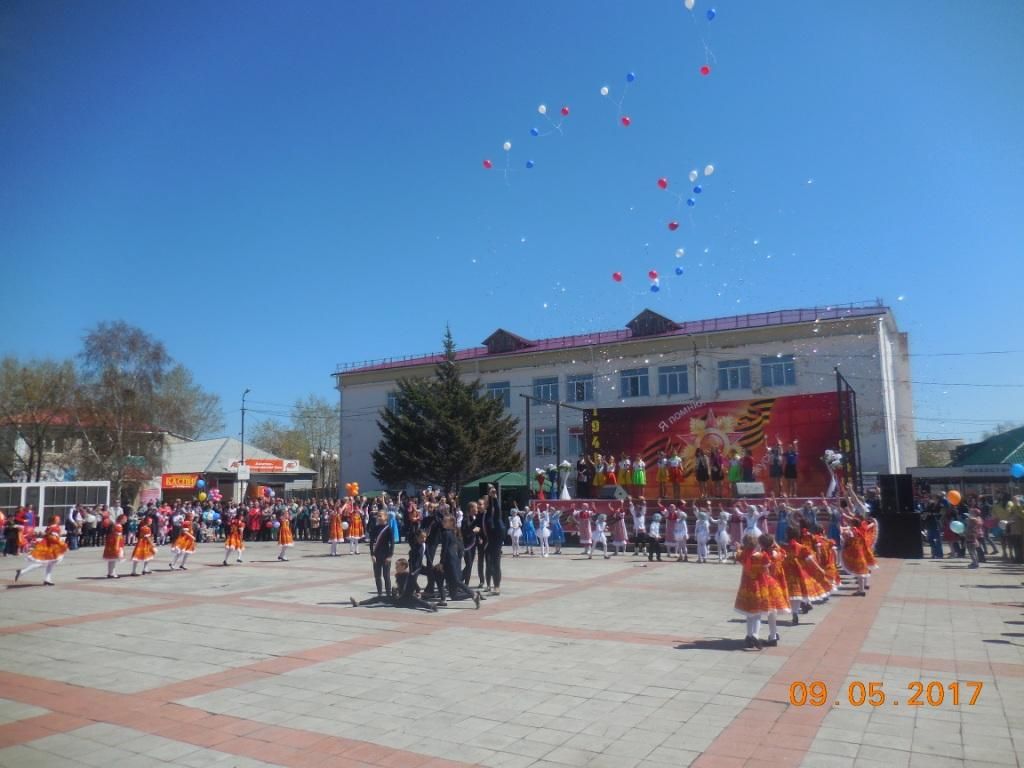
[(217, 455)]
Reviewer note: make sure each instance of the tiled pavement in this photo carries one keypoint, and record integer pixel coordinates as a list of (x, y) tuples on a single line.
[(578, 663)]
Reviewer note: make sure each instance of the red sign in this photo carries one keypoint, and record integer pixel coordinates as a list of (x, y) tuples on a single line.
[(178, 482), (734, 425)]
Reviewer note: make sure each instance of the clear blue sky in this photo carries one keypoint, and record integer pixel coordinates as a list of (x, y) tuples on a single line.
[(273, 188)]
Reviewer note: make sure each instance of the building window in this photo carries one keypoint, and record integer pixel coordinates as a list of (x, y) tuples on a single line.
[(778, 371), (633, 382), (734, 374), (673, 380), (543, 442), (546, 389), (500, 390), (392, 402), (579, 389), (576, 445)]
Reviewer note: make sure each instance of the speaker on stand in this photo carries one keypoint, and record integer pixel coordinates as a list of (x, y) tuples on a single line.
[(899, 525)]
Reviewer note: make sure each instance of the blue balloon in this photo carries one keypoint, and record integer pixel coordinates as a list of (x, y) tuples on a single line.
[(679, 270), (698, 189), (655, 288), (534, 132), (200, 483), (691, 202), (529, 163), (711, 14), (630, 77), (1017, 470)]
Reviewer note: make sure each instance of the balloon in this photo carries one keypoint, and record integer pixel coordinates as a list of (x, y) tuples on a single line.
[(710, 14), (617, 277), (956, 527), (565, 111), (534, 132), (663, 183), (507, 146), (680, 252), (277, 524), (542, 109), (679, 270), (655, 288), (688, 4), (705, 70), (200, 483), (691, 202), (202, 495), (630, 77), (673, 225), (698, 189), (626, 121), (488, 164), (1017, 470), (529, 163), (270, 492), (708, 170), (604, 90), (653, 274), (953, 497), (693, 175)]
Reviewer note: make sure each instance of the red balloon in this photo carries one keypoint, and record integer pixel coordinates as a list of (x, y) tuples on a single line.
[(488, 164), (565, 111), (705, 70), (626, 121), (653, 274), (617, 277), (673, 225), (663, 183)]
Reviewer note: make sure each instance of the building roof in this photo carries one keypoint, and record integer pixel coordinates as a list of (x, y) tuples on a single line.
[(1004, 448), (213, 455), (638, 327)]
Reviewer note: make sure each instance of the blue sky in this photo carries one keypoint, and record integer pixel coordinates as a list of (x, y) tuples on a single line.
[(273, 188)]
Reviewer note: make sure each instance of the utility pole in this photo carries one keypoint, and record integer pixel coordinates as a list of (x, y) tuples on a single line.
[(243, 424)]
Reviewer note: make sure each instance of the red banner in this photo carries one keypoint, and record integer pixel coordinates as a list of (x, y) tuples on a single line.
[(732, 426)]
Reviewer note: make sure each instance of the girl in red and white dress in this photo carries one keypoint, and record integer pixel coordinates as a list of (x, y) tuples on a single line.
[(183, 546), (760, 591), (113, 549), (235, 541), (609, 472), (45, 553), (144, 551), (582, 517), (284, 534), (620, 535), (356, 526), (857, 556)]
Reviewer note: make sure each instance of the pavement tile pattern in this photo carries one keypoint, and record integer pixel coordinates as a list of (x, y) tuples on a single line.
[(578, 662)]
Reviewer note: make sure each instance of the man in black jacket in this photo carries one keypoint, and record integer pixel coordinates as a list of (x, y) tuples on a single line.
[(494, 538), (451, 562)]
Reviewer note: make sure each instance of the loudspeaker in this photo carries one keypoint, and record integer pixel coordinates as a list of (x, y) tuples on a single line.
[(613, 492), (899, 535), (897, 492)]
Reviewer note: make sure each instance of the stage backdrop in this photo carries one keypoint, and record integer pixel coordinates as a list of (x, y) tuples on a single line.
[(729, 425)]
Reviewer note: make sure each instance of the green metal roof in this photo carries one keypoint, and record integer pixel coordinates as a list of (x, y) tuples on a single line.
[(1005, 448)]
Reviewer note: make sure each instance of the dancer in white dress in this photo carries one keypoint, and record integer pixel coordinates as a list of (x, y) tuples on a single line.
[(599, 536), (722, 538), (543, 528), (639, 514), (702, 531), (515, 530)]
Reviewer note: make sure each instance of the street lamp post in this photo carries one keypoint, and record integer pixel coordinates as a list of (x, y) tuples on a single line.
[(243, 424)]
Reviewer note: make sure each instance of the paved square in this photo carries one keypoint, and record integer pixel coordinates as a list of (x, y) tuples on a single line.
[(615, 662)]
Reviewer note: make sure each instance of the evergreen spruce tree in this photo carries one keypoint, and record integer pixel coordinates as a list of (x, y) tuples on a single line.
[(444, 431)]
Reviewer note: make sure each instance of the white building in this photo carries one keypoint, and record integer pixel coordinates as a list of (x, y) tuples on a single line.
[(656, 361)]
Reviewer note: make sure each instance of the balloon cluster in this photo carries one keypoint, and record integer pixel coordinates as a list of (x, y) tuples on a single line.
[(268, 492), (710, 14), (554, 127), (605, 91), (352, 489)]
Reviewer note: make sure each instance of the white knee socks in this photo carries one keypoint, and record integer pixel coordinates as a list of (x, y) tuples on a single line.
[(753, 626)]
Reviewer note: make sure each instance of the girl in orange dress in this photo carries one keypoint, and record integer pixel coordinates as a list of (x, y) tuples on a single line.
[(45, 553), (334, 533), (183, 546), (113, 549), (144, 551), (804, 577), (284, 534), (760, 590), (356, 531), (828, 560), (235, 542), (856, 552), (816, 568)]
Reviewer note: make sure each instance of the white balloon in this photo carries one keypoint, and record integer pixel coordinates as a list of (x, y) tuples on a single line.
[(507, 146), (680, 252), (604, 90), (693, 175), (709, 169), (688, 4), (542, 109)]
